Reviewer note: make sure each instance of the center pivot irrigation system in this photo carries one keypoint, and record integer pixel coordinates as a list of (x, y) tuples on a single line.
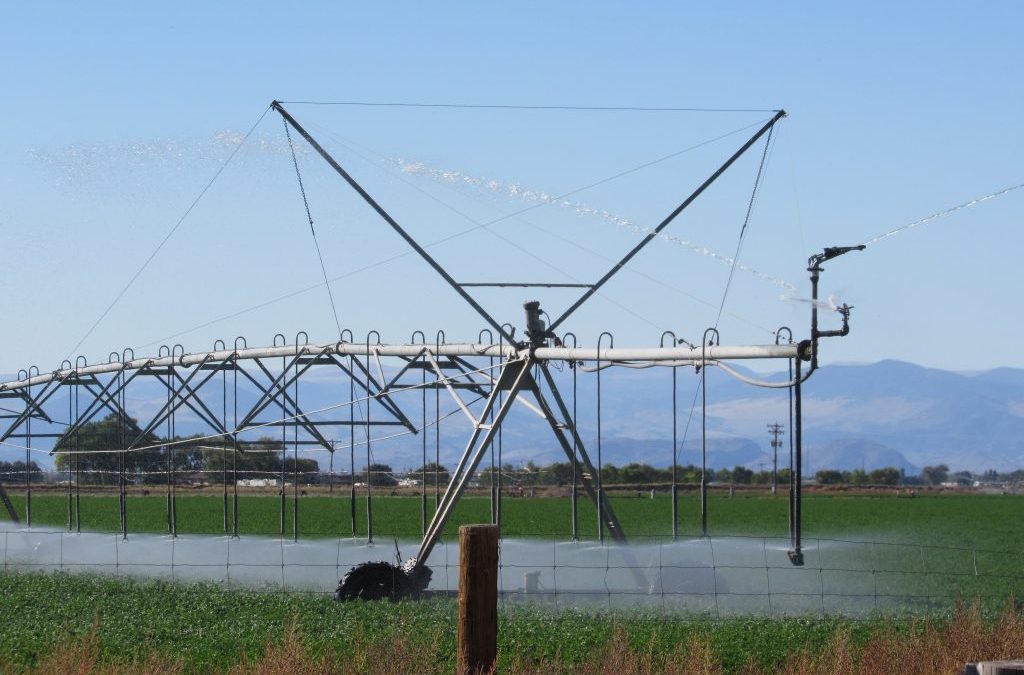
[(533, 355), (523, 373)]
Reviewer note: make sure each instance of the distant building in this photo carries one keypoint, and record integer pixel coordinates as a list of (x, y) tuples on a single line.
[(259, 482)]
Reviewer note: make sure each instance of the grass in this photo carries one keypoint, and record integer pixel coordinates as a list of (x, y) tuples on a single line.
[(992, 522), (76, 623)]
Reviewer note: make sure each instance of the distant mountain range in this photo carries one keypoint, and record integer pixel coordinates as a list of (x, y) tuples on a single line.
[(889, 413)]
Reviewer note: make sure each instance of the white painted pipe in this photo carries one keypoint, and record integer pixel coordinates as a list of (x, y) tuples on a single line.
[(608, 355)]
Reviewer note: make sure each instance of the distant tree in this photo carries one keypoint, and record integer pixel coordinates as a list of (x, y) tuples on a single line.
[(531, 474), (259, 459), (483, 476), (382, 475), (741, 475), (934, 475), (509, 475), (560, 473), (442, 473), (689, 474), (610, 474), (307, 468), (93, 448), (637, 473), (14, 472), (963, 477), (829, 477), (856, 477), (887, 476)]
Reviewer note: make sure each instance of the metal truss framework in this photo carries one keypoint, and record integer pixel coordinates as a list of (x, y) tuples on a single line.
[(523, 373), (228, 393)]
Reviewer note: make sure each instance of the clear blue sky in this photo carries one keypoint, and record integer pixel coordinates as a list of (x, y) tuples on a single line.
[(117, 114)]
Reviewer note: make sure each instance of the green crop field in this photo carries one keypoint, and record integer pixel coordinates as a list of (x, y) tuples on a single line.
[(209, 626), (205, 628), (994, 522)]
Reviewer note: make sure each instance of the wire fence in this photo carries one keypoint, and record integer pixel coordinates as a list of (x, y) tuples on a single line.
[(715, 577)]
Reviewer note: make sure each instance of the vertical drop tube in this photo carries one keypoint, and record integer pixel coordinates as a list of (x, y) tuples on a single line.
[(675, 462), (284, 443), (223, 443), (28, 457), (796, 555), (369, 453), (234, 450), (575, 461), (352, 441), (423, 440), (703, 450), (295, 457)]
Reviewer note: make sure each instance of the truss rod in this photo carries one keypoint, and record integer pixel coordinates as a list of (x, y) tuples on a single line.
[(668, 219), (422, 252), (521, 284)]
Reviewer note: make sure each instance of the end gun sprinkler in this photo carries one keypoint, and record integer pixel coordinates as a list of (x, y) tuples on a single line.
[(795, 553)]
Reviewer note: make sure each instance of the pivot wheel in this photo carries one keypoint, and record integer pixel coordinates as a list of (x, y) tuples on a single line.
[(382, 581)]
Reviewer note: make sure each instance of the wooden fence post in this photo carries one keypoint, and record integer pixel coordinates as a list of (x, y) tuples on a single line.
[(478, 599)]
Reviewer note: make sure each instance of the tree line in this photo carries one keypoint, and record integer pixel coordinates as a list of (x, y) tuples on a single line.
[(16, 470), (92, 452)]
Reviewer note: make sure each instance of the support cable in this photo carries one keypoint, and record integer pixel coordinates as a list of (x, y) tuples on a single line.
[(170, 233), (401, 254), (485, 225), (668, 220), (312, 229), (478, 106), (746, 222), (721, 308)]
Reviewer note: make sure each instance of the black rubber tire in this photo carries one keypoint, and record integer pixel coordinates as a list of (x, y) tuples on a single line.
[(371, 581)]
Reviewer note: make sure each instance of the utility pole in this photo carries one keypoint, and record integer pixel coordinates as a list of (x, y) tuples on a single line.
[(776, 431)]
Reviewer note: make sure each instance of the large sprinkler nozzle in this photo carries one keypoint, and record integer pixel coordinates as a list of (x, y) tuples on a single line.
[(536, 330), (814, 267), (828, 253)]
